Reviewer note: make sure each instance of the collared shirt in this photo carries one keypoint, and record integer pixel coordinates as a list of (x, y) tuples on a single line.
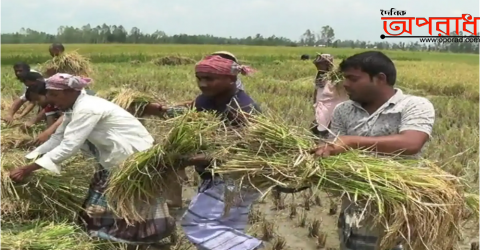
[(51, 109), (115, 134), (400, 113)]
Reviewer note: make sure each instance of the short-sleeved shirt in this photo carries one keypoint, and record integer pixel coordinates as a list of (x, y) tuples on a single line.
[(239, 102), (402, 112)]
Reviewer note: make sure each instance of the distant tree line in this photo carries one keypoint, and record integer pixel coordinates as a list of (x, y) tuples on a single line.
[(118, 34)]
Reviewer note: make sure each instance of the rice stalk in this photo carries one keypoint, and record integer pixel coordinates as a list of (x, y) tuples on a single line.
[(45, 236), (42, 193), (71, 63), (13, 137), (129, 99), (141, 178), (414, 200)]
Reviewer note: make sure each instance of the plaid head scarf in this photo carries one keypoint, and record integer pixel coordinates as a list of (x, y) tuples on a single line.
[(62, 81), (221, 66)]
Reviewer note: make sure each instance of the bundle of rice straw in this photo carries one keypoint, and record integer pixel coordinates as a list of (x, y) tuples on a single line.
[(129, 99), (140, 178), (173, 61), (413, 199), (13, 137), (42, 193), (45, 236), (71, 63)]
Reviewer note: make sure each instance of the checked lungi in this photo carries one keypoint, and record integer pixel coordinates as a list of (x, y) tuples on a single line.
[(207, 226), (100, 221)]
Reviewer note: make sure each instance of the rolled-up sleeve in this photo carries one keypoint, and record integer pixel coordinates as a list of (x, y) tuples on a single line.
[(419, 115), (75, 135)]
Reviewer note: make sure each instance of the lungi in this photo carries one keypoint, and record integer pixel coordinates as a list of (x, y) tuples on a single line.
[(100, 221), (353, 237), (207, 226)]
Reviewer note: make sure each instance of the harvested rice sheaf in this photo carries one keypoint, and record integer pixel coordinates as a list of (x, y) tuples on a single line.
[(13, 137), (416, 201), (71, 63), (141, 178), (173, 61), (45, 236), (42, 193), (129, 99)]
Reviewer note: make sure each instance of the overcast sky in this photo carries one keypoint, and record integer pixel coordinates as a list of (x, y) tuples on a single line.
[(351, 19)]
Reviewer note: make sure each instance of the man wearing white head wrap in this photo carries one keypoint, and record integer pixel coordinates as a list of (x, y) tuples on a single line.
[(112, 135)]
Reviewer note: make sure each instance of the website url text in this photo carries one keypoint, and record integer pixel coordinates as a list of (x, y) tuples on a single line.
[(450, 40)]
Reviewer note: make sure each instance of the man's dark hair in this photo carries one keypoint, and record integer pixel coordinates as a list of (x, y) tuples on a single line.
[(21, 65), (372, 63), (39, 88), (33, 76), (58, 46)]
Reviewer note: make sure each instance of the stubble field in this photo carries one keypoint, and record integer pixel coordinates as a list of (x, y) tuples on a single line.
[(282, 85)]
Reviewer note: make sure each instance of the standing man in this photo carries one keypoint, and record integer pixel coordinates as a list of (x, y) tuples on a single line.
[(326, 95), (378, 117)]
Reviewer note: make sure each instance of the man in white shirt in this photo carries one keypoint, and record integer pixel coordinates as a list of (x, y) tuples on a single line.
[(112, 135)]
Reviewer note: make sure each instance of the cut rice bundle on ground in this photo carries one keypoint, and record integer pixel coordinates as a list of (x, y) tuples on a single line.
[(71, 63), (42, 193), (45, 236), (141, 177), (414, 200), (129, 99), (13, 137), (173, 61)]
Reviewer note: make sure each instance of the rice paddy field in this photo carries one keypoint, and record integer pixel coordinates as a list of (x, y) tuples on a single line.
[(282, 85)]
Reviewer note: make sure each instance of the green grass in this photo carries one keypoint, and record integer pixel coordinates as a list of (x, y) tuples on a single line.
[(114, 53)]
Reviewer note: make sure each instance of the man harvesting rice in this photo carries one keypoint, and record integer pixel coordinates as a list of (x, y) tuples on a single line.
[(156, 109), (29, 78), (56, 49), (62, 62), (230, 56), (112, 135), (377, 117), (326, 96), (50, 113), (204, 223), (37, 94)]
